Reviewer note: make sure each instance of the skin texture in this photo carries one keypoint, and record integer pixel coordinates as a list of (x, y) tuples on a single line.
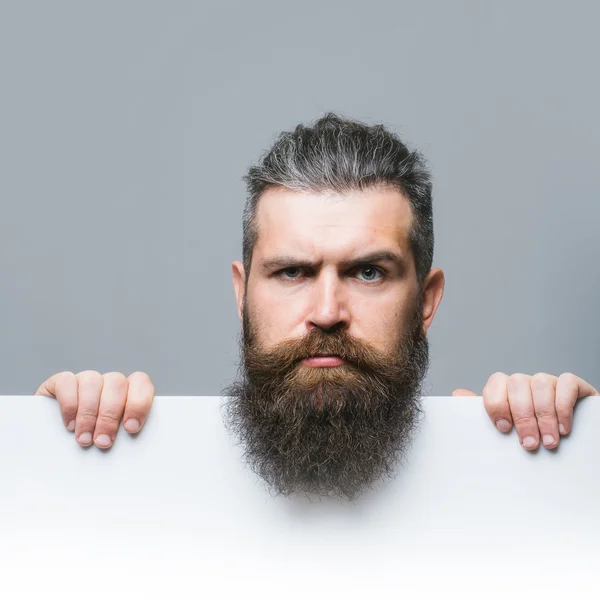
[(327, 231)]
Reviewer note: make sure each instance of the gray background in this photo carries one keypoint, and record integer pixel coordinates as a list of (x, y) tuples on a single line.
[(125, 129)]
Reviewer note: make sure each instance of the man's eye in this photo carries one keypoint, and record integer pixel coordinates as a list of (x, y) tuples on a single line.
[(371, 272), (290, 272)]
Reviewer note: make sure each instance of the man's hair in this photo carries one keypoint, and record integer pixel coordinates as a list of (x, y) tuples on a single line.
[(342, 155)]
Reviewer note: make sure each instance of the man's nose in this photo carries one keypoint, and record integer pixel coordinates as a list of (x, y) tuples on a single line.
[(328, 304)]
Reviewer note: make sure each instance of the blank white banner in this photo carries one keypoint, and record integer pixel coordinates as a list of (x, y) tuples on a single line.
[(175, 513)]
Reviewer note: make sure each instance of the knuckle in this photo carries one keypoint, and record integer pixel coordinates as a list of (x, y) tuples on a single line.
[(62, 381), (109, 416), (495, 378), (542, 381), (114, 376), (65, 375), (517, 379), (115, 379), (523, 420), (567, 375), (568, 380), (545, 416), (139, 375), (87, 414), (89, 377)]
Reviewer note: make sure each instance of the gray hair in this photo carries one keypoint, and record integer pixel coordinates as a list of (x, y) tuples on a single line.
[(341, 155)]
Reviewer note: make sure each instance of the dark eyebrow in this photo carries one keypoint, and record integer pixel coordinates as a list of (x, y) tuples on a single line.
[(383, 256)]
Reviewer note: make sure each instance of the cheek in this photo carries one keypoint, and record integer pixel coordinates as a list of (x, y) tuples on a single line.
[(375, 328), (384, 326), (387, 335), (275, 320)]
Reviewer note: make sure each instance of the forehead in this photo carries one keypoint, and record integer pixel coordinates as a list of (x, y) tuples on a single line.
[(330, 224)]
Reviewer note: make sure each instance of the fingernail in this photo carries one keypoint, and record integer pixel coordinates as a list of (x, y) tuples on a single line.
[(71, 426), (503, 425), (103, 440), (132, 425), (529, 441), (548, 440), (561, 429), (85, 438)]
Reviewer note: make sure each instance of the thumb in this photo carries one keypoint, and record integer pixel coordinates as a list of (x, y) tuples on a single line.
[(463, 392)]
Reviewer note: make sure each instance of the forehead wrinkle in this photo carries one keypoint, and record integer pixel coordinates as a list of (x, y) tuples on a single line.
[(328, 242), (282, 225)]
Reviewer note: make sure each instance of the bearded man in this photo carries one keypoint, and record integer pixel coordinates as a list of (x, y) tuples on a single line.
[(336, 293)]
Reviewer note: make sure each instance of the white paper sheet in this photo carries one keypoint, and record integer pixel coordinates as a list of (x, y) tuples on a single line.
[(175, 512)]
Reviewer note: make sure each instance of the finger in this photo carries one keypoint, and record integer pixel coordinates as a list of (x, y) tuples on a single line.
[(495, 401), (522, 410), (463, 392), (89, 389), (110, 412), (63, 387), (139, 401), (569, 389), (543, 388)]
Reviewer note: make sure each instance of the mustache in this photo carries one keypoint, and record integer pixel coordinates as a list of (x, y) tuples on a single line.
[(315, 342), (286, 356)]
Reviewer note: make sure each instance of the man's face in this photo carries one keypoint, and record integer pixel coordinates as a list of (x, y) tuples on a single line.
[(334, 342), (329, 232)]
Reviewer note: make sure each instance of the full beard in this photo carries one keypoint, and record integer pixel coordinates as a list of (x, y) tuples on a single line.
[(326, 431)]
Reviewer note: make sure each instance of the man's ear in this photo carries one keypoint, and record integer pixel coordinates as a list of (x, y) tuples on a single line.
[(239, 281), (433, 290)]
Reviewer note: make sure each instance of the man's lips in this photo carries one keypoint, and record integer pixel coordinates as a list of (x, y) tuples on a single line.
[(322, 360)]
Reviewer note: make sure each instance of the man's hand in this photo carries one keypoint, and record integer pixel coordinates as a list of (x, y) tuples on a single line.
[(93, 405), (538, 405)]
